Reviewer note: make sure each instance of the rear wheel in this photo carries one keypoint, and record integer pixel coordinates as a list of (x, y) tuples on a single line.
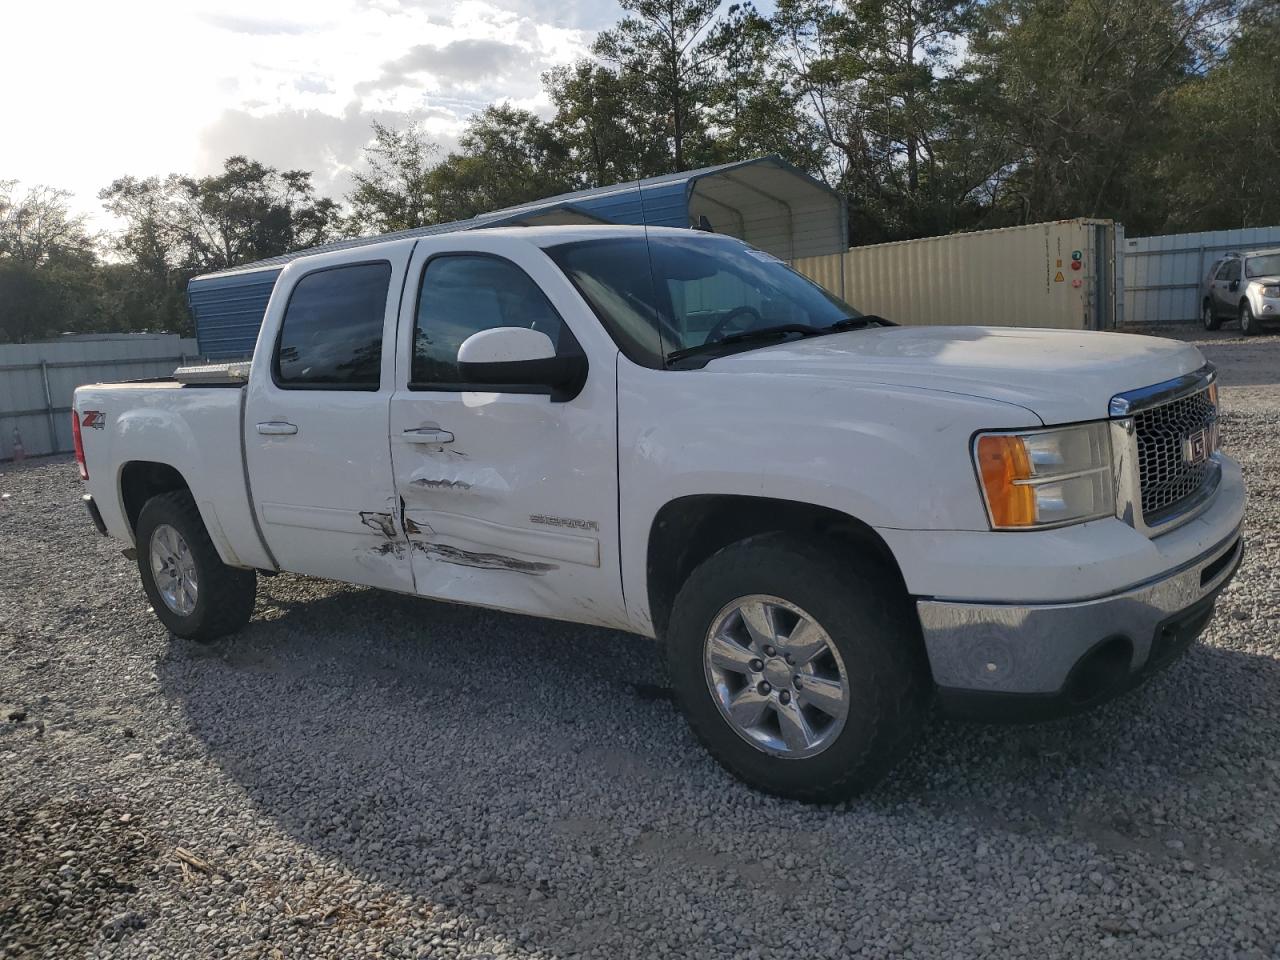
[(1210, 320), (193, 592), (802, 672), (1248, 322)]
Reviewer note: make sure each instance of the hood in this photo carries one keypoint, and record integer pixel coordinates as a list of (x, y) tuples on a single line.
[(1060, 375)]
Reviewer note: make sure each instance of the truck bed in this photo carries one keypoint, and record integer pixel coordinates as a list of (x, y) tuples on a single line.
[(194, 430)]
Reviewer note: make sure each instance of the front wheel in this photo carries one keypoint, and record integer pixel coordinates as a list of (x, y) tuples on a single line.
[(1208, 318), (193, 592), (1248, 323), (801, 672)]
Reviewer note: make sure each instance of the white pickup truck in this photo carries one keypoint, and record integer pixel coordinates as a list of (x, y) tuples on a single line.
[(831, 522)]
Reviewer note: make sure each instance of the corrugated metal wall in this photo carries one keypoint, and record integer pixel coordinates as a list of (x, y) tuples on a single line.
[(229, 311), (1017, 276), (1163, 274), (38, 379)]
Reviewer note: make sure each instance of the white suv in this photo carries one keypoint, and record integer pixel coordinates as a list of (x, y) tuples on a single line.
[(1244, 287)]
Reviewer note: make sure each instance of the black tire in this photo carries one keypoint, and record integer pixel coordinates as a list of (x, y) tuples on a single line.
[(1210, 320), (225, 595), (872, 624), (1248, 322)]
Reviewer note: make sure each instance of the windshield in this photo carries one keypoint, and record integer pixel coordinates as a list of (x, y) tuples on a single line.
[(702, 290), (1266, 266)]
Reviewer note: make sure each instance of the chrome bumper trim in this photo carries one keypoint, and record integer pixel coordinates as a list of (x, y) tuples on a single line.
[(1011, 648)]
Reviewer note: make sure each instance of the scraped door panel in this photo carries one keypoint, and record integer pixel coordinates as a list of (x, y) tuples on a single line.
[(510, 499)]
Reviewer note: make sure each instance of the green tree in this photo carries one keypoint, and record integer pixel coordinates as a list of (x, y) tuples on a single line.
[(37, 224), (395, 190), (249, 212), (664, 44), (878, 78), (47, 264), (1221, 169), (507, 156), (753, 105), (598, 123), (1079, 93)]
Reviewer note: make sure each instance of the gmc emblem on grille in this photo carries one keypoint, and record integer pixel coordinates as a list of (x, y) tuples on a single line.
[(1195, 448)]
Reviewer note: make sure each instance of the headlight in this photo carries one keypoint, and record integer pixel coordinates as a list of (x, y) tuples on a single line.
[(1271, 291), (1046, 478)]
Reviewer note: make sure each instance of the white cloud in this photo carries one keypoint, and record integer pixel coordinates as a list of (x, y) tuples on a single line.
[(96, 90)]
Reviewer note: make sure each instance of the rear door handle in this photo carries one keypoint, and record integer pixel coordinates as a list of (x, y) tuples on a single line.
[(277, 428), (428, 435)]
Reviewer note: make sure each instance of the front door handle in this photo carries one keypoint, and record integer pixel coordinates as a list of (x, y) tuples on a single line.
[(277, 428), (428, 435)]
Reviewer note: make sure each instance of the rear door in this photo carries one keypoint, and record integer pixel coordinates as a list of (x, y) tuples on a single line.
[(316, 421), (510, 497)]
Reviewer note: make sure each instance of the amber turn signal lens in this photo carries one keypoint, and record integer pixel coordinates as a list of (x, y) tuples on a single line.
[(1001, 461)]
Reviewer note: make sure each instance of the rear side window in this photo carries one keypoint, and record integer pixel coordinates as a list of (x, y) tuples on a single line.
[(331, 336), (462, 294)]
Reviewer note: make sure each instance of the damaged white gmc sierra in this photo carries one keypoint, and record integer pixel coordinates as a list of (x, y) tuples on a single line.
[(829, 521)]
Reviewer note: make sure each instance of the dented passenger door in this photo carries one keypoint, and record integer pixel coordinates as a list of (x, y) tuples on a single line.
[(509, 494)]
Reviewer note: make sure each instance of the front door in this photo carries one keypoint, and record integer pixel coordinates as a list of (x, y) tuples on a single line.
[(1226, 298), (510, 497), (316, 425)]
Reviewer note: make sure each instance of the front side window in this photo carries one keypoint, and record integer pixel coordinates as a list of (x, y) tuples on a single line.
[(1265, 266), (668, 295), (463, 294), (331, 335), (1230, 271)]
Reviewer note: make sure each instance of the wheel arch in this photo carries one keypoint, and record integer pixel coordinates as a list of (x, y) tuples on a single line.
[(140, 480), (688, 530)]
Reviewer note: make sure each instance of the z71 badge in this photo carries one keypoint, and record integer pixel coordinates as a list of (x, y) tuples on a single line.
[(94, 419)]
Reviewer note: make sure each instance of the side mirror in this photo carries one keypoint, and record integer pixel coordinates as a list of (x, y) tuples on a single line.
[(523, 360), (1235, 285)]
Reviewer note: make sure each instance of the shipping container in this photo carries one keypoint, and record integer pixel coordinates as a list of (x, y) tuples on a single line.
[(1059, 274)]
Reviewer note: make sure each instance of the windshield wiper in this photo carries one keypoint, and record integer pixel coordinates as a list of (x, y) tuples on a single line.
[(748, 336), (858, 323)]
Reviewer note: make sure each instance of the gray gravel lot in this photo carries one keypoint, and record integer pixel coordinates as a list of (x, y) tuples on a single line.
[(360, 774)]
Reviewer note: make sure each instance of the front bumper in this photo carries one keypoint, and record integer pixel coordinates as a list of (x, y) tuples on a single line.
[(1026, 661)]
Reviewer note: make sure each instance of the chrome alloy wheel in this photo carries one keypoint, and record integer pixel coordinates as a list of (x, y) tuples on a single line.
[(174, 570), (776, 676)]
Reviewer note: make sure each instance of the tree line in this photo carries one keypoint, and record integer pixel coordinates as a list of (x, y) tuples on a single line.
[(930, 116)]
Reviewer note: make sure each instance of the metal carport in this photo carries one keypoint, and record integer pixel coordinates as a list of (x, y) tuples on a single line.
[(765, 201)]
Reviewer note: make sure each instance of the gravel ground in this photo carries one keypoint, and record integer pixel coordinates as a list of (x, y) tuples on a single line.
[(359, 774)]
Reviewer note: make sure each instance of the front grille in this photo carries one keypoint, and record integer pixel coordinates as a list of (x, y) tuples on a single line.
[(1166, 476)]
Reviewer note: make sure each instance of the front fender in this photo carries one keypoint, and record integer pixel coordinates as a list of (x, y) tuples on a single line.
[(889, 456)]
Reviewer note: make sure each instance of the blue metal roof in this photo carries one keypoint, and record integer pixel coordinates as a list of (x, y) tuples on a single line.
[(228, 306)]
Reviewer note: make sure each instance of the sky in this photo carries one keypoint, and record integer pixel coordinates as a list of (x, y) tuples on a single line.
[(95, 89)]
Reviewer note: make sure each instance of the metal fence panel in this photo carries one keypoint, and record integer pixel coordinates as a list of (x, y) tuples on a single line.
[(37, 381), (1163, 274)]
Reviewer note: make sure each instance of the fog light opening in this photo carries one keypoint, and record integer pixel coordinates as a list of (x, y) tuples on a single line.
[(1101, 671)]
